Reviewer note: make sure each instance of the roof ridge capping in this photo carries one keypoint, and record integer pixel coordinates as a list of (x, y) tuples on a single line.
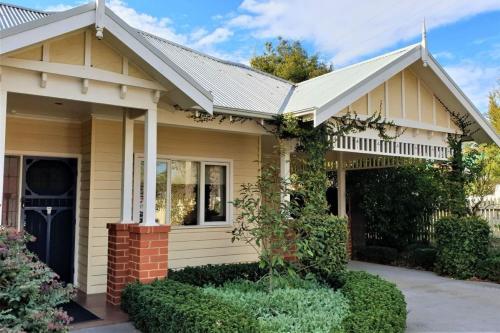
[(335, 71)]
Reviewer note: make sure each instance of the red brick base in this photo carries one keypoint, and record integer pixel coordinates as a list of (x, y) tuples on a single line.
[(135, 253)]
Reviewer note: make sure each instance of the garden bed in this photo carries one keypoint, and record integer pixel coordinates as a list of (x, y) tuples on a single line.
[(237, 298)]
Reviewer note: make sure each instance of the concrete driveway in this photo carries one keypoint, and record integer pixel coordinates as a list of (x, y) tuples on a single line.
[(438, 304)]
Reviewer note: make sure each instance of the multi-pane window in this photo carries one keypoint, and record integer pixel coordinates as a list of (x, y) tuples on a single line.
[(188, 192), (10, 198)]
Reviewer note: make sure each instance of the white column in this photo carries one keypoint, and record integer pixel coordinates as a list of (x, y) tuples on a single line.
[(341, 195), (150, 124), (127, 167), (285, 167), (3, 114)]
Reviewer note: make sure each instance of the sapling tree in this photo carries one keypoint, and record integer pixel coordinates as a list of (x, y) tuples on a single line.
[(264, 220)]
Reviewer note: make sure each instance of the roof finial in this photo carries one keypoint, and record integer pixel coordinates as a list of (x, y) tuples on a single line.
[(423, 45), (100, 6)]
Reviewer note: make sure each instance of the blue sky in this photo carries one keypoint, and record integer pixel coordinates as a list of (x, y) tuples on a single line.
[(464, 35)]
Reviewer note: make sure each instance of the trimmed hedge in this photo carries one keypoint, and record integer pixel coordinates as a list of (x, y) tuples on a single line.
[(461, 242), (420, 256), (375, 305), (217, 275), (489, 268), (171, 306), (378, 254)]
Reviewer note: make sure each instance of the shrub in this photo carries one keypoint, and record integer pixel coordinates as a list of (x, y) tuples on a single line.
[(375, 305), (420, 256), (378, 254), (306, 307), (489, 268), (217, 275), (324, 244), (461, 243), (171, 306), (30, 291)]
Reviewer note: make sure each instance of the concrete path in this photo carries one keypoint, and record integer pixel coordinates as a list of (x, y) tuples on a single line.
[(115, 328), (438, 304)]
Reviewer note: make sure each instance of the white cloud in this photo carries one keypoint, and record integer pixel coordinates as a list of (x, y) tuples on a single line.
[(159, 26), (58, 8), (349, 29), (217, 36), (476, 80)]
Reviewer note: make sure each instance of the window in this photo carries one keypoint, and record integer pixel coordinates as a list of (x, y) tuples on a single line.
[(215, 193), (161, 194), (188, 192), (185, 193)]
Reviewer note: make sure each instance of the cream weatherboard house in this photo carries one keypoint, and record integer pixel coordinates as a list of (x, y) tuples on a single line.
[(98, 126)]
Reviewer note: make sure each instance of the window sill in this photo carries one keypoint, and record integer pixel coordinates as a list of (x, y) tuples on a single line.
[(203, 226)]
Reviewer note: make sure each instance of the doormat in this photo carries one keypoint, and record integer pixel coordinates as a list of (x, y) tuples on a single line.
[(78, 312)]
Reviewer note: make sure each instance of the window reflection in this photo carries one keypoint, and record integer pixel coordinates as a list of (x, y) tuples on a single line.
[(215, 193), (185, 182)]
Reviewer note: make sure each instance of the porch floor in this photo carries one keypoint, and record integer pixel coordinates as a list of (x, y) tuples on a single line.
[(97, 304)]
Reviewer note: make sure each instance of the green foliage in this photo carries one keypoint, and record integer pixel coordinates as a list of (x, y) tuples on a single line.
[(29, 291), (397, 201), (489, 268), (421, 257), (265, 220), (375, 305), (290, 61), (378, 254), (293, 306), (481, 172), (385, 306), (494, 109), (324, 244), (171, 306), (461, 243), (217, 275)]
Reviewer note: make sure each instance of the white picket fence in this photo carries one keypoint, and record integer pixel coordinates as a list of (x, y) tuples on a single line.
[(490, 211)]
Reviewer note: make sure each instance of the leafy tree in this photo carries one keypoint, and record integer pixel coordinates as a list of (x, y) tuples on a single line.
[(290, 61), (482, 172), (494, 109)]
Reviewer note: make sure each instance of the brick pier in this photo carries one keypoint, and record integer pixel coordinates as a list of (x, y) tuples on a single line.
[(135, 253)]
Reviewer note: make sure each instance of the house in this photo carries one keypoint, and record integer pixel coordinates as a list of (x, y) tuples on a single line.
[(102, 127)]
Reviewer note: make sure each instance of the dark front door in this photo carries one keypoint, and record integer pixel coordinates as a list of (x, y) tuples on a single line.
[(48, 210)]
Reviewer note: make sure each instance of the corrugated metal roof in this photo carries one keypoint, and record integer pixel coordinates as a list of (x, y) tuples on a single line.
[(232, 85), (238, 87), (319, 91), (11, 15)]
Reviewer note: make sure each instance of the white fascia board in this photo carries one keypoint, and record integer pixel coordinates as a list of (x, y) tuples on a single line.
[(45, 28), (365, 86), (158, 61), (464, 100)]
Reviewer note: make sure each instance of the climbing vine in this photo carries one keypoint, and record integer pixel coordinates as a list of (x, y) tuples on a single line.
[(454, 171), (321, 237)]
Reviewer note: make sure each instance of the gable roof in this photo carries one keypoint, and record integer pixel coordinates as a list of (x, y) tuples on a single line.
[(319, 92), (239, 89)]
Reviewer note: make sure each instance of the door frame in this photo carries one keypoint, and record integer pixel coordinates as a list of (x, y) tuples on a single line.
[(22, 154)]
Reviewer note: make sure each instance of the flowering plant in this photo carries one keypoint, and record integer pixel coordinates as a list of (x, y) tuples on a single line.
[(29, 290)]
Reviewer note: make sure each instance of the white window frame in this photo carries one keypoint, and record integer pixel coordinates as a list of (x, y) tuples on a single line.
[(201, 204), (202, 194)]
